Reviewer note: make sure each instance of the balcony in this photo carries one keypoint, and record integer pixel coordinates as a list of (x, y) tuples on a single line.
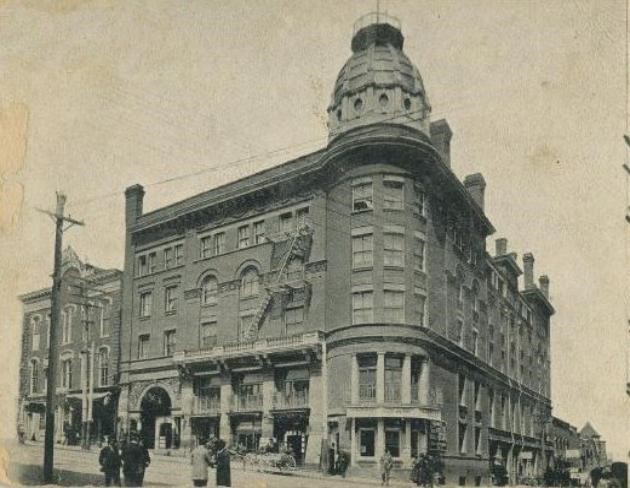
[(309, 341), (296, 401), (207, 406), (247, 403), (392, 406)]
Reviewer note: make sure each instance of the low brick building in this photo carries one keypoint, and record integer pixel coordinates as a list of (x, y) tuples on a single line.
[(88, 350), (342, 300)]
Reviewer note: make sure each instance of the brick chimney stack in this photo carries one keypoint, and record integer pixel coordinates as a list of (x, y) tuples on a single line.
[(476, 186), (134, 196), (528, 270), (544, 285), (501, 246), (441, 137)]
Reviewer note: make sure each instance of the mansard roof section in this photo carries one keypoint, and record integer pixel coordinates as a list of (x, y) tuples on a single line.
[(269, 177), (508, 261), (537, 295)]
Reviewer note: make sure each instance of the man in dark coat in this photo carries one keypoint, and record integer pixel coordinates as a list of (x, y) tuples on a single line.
[(109, 459), (135, 460), (223, 464)]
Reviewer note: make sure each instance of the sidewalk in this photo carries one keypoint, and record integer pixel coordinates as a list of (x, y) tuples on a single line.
[(298, 472)]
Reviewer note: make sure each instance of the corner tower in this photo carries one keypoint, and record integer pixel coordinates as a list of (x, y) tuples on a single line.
[(378, 84)]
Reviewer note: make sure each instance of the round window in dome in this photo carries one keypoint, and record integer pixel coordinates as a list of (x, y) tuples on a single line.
[(358, 105), (407, 103), (383, 100)]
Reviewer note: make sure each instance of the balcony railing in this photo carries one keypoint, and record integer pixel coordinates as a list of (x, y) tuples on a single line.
[(282, 401), (233, 348), (393, 394), (367, 393), (207, 405), (247, 403)]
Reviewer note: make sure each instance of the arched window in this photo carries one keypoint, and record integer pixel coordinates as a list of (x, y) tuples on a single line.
[(35, 328), (34, 376), (103, 366), (249, 283), (209, 290)]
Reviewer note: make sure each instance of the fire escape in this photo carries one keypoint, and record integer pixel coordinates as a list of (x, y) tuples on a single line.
[(294, 244)]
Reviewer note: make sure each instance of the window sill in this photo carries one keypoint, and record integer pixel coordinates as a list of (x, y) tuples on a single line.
[(144, 317), (209, 305), (394, 268), (363, 268), (364, 210), (393, 209), (157, 272), (170, 312)]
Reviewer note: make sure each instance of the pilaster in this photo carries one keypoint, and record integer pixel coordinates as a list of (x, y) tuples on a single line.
[(380, 378)]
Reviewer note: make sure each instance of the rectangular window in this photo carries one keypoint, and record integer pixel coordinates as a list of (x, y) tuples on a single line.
[(209, 334), (36, 337), (418, 253), (168, 257), (179, 254), (362, 250), (170, 299), (152, 262), (459, 332), (394, 306), (460, 297), (243, 237), (286, 222), (105, 312), (66, 373), (206, 247), (475, 342), (420, 201), (392, 442), (142, 265), (478, 440), (143, 346), (462, 436), (294, 320), (362, 198), (259, 232), (421, 305), (362, 307), (366, 442), (394, 249), (367, 377), (169, 343), (393, 193), (301, 217), (103, 363), (246, 321), (461, 384), (491, 353), (146, 303), (219, 243), (393, 379)]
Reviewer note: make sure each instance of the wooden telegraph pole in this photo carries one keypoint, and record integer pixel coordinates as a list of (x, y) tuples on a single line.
[(49, 442)]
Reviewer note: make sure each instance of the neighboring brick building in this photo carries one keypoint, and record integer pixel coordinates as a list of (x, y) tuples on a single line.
[(593, 448), (344, 299), (90, 321), (566, 443)]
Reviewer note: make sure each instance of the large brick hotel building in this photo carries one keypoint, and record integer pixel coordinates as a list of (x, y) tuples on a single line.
[(344, 299)]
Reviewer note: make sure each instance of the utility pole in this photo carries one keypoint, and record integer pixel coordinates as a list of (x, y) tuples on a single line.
[(51, 377)]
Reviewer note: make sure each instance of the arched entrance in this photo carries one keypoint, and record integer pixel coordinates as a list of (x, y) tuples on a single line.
[(156, 409)]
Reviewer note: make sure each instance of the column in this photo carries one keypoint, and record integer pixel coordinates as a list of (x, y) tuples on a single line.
[(424, 384), (406, 380), (268, 388), (354, 380), (406, 448), (353, 442), (380, 378), (315, 423), (225, 429), (379, 447), (188, 399)]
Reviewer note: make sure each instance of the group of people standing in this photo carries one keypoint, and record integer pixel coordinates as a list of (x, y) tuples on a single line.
[(207, 455), (133, 457)]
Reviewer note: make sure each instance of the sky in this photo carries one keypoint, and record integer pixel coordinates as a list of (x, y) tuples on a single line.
[(183, 96)]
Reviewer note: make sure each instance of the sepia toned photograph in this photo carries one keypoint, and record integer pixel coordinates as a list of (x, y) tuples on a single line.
[(325, 243)]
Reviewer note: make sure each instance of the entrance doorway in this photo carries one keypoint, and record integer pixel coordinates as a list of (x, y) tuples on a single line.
[(155, 403)]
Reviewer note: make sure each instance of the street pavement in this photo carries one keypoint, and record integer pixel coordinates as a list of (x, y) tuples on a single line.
[(80, 468)]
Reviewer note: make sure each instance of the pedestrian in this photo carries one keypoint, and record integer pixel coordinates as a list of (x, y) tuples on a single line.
[(200, 459), (109, 459), (386, 462), (222, 464), (135, 460)]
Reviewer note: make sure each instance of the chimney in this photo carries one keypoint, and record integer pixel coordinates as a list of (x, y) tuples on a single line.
[(544, 285), (528, 265), (133, 203), (501, 246), (441, 137), (476, 185)]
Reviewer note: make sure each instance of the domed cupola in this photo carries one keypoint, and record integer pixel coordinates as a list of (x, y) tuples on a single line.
[(378, 84)]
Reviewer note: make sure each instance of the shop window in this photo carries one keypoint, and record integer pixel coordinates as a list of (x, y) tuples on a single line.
[(366, 442), (392, 442)]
